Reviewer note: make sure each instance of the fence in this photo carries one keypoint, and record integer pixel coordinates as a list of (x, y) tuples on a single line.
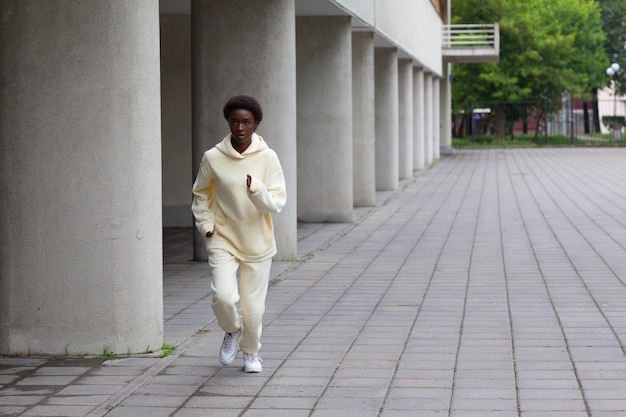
[(474, 36), (598, 120)]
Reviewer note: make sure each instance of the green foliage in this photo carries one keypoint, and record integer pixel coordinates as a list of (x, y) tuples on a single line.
[(546, 47), (477, 11), (106, 353), (166, 350), (613, 14), (490, 141), (613, 121)]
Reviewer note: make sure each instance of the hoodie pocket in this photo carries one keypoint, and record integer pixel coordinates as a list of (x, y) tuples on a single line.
[(254, 237)]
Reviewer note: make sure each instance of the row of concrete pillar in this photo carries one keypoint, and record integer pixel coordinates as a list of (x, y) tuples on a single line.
[(363, 117), (80, 141)]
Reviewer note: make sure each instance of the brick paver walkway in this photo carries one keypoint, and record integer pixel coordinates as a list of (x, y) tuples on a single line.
[(492, 285)]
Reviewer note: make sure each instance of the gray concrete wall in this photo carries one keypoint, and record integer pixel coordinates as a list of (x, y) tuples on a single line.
[(258, 61), (176, 119), (363, 116), (80, 174), (411, 25), (419, 124), (386, 99), (405, 122), (324, 85)]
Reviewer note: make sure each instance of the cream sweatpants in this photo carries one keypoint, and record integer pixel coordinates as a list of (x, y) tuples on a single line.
[(250, 293)]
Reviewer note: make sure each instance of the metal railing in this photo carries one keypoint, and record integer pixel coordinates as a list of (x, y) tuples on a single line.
[(576, 121), (471, 36)]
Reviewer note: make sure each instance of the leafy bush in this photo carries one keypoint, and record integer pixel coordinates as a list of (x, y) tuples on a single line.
[(486, 141), (613, 121)]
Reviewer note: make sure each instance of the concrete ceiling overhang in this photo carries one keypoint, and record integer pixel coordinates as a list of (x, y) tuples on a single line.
[(302, 8)]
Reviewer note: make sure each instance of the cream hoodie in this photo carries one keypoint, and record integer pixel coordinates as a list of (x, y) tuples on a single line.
[(239, 217)]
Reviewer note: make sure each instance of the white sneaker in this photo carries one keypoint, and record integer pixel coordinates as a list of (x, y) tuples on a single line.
[(230, 347), (252, 362)]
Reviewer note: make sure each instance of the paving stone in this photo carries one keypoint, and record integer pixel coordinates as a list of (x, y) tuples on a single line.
[(7, 379), (93, 400), (293, 403), (490, 285), (58, 410), (11, 400), (22, 362), (147, 400), (141, 412), (221, 402), (55, 380), (199, 412), (10, 411), (276, 413)]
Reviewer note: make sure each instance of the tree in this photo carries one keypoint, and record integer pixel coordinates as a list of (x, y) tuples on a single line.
[(547, 47), (613, 14)]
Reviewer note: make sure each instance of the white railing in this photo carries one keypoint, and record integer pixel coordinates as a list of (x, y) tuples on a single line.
[(471, 36)]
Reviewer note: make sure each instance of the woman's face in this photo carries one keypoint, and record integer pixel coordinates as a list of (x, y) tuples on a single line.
[(242, 126)]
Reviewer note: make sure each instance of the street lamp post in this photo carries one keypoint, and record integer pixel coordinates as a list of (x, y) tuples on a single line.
[(611, 71)]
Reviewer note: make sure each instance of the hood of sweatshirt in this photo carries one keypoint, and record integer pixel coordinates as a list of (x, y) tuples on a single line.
[(226, 147)]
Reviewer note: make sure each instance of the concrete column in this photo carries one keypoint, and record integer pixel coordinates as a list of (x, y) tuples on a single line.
[(243, 47), (363, 116), (419, 118), (445, 111), (80, 174), (405, 111), (324, 102), (436, 118), (386, 92), (428, 119)]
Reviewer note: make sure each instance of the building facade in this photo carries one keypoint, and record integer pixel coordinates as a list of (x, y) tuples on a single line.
[(107, 106)]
